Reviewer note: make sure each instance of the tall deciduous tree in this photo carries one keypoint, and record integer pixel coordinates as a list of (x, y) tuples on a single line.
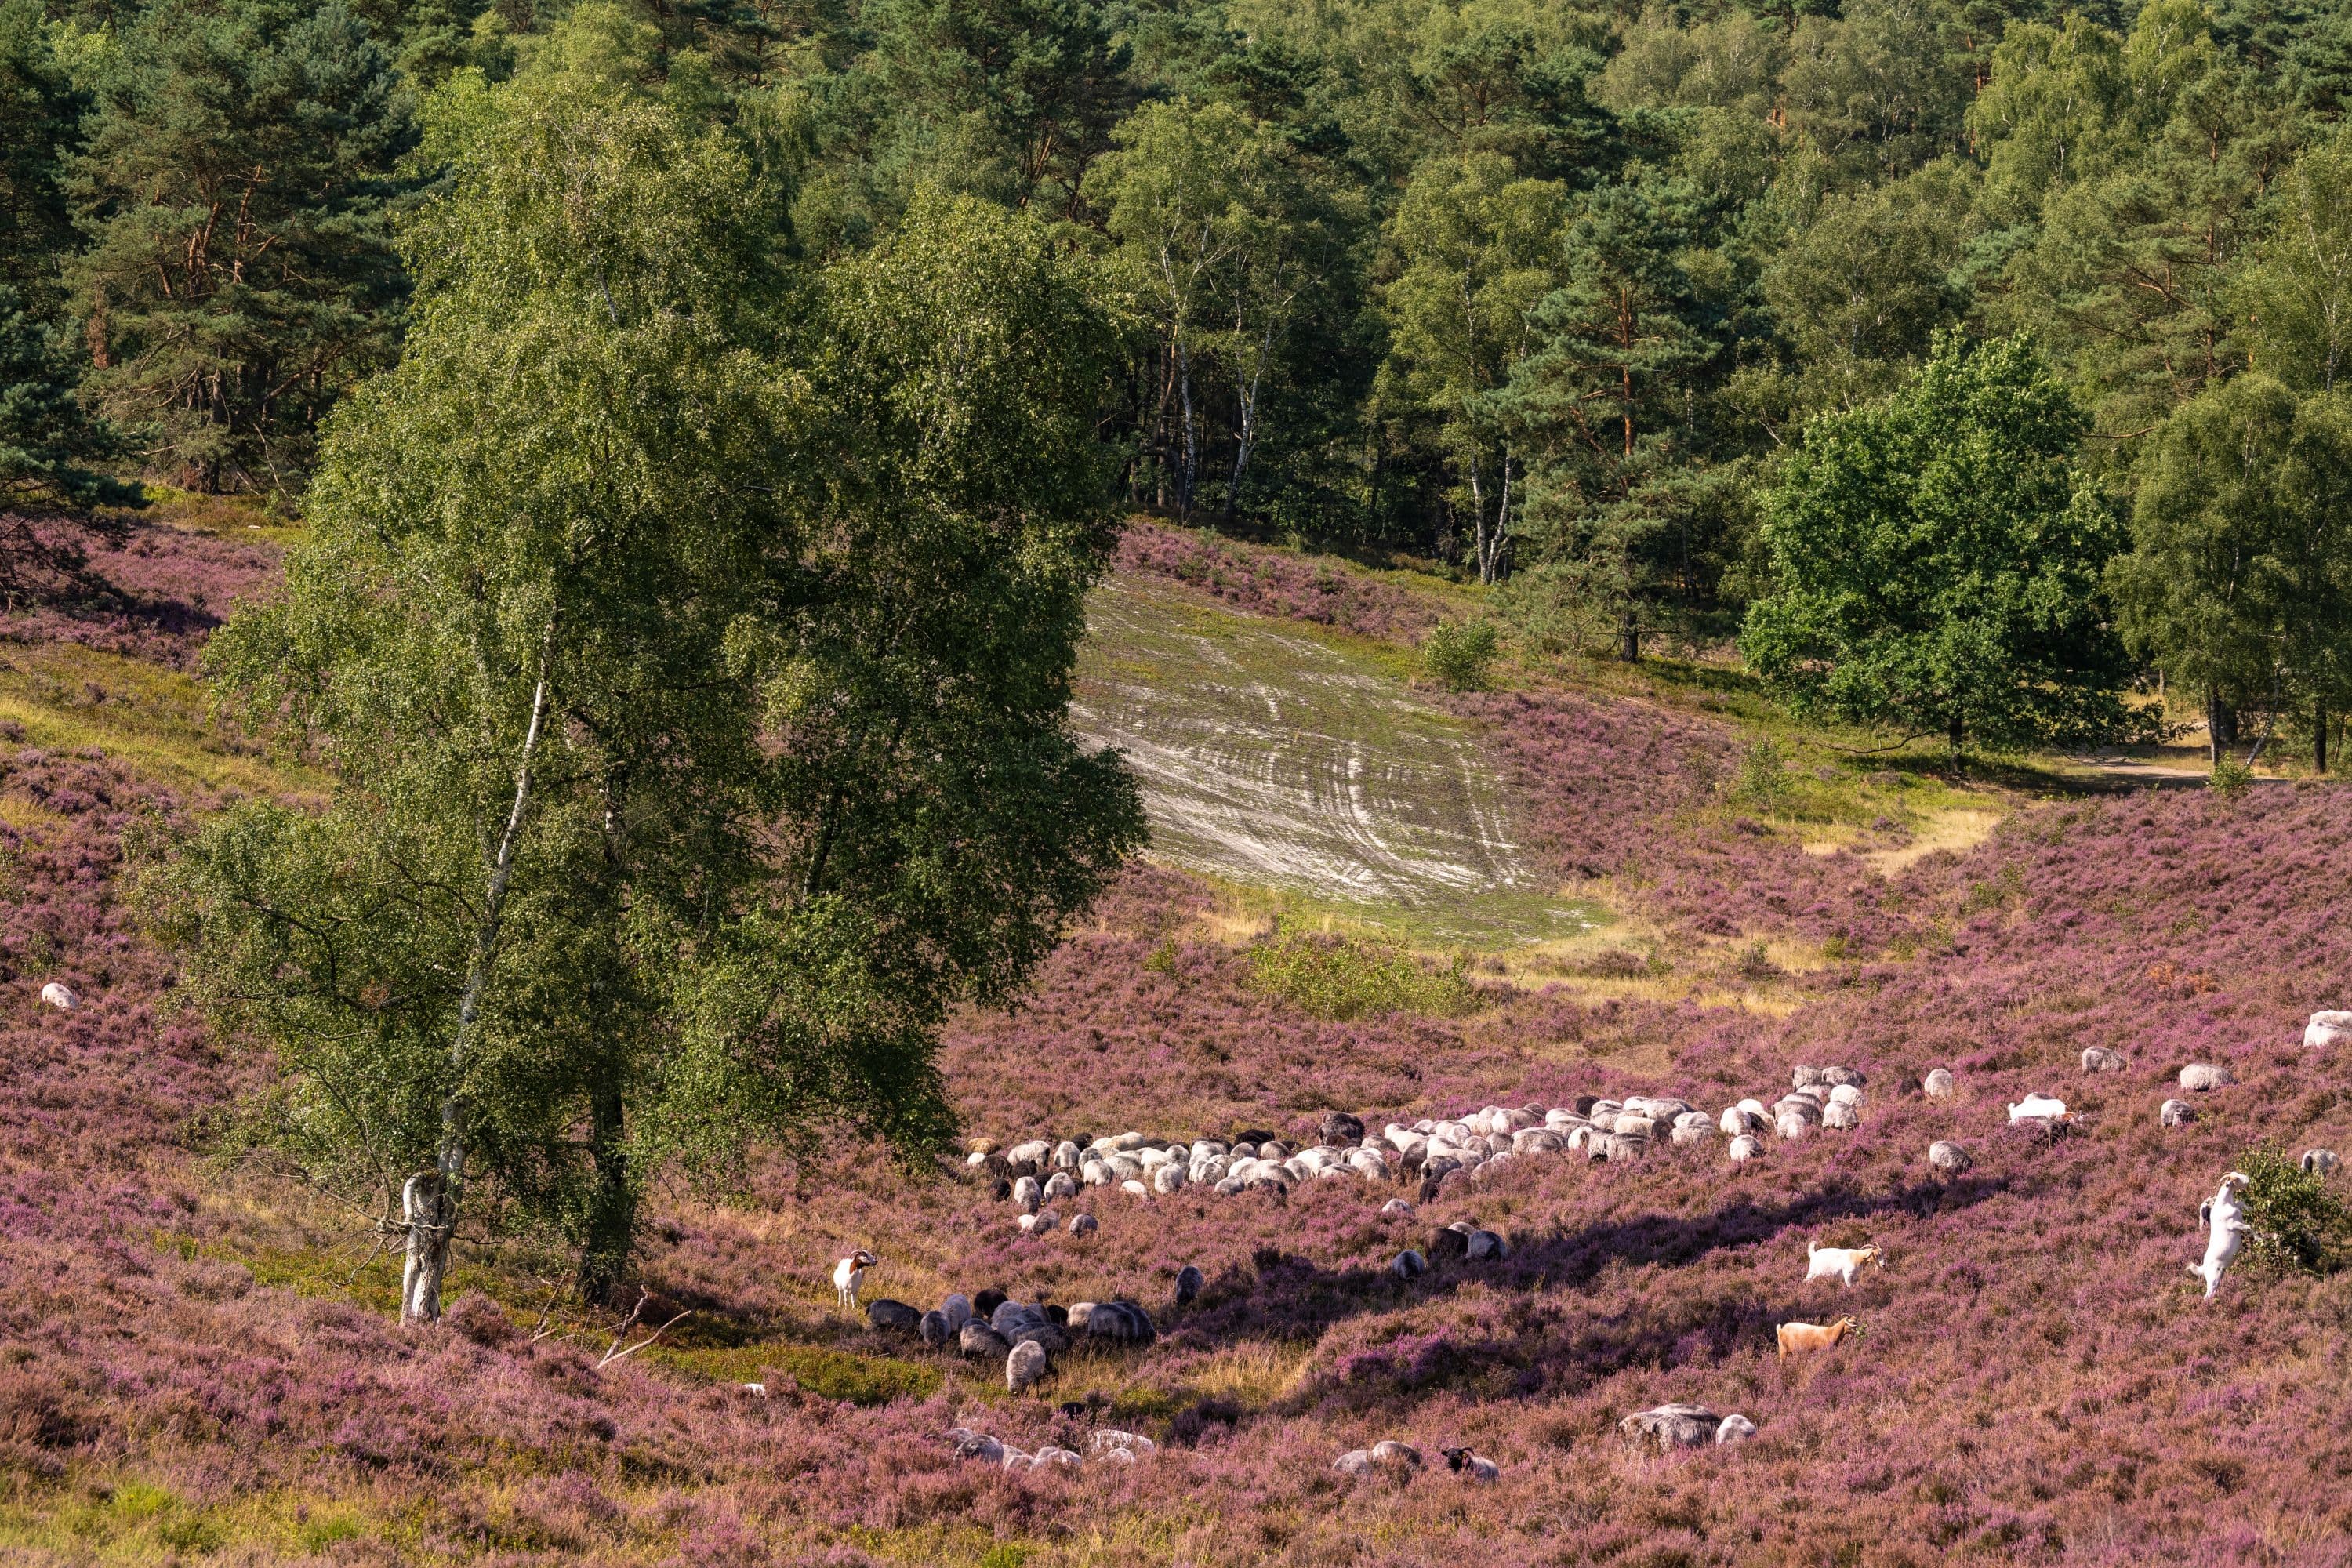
[(2240, 586), (241, 273), (695, 686), (1938, 559)]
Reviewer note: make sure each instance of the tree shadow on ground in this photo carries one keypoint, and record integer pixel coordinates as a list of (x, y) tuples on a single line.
[(1548, 1341)]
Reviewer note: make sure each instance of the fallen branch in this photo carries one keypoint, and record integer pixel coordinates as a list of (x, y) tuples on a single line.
[(541, 1329), (614, 1351)]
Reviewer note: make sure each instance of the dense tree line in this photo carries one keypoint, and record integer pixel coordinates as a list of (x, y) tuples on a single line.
[(1550, 290)]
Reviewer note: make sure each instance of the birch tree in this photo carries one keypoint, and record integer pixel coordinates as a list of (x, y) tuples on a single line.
[(690, 645)]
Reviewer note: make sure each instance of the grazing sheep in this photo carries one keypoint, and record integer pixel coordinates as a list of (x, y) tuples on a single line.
[(957, 1311), (1401, 1457), (1030, 1156), (1805, 1077), (1025, 1364), (1084, 1224), (1354, 1462), (2202, 1078), (1478, 1466), (1735, 1430), (2328, 1029), (850, 1273), (2039, 1108), (1735, 1121), (1939, 1084), (1189, 1283), (1839, 1116), (970, 1444), (1792, 1126), (1409, 1265), (1746, 1148), (1110, 1440), (1846, 1094), (2227, 1217), (934, 1330), (1843, 1078), (58, 995), (1168, 1179), (1060, 1184), (1948, 1157), (894, 1316), (1065, 1156), (1485, 1246), (1396, 1206), (985, 1304), (1671, 1426), (1454, 1241), (1794, 1336), (1339, 1127), (1842, 1262), (979, 1340), (2176, 1113), (1044, 1219), (1066, 1457), (1135, 1187), (2098, 1058), (2319, 1162), (1120, 1322)]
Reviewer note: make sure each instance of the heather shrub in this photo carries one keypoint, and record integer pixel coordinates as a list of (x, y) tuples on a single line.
[(2292, 1221), (1459, 654), (1342, 977)]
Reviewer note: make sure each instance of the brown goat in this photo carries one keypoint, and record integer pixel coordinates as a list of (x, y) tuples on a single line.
[(1813, 1336)]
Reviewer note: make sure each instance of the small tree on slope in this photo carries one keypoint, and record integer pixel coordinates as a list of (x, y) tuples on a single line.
[(695, 688), (1939, 559)]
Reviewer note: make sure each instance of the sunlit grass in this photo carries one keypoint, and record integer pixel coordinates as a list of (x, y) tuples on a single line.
[(155, 722)]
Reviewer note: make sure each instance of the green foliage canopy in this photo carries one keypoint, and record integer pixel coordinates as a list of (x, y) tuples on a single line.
[(1939, 559)]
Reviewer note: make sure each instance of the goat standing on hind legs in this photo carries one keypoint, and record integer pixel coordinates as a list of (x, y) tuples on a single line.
[(2226, 1215)]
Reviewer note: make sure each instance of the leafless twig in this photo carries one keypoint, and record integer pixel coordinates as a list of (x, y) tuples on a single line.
[(614, 1351)]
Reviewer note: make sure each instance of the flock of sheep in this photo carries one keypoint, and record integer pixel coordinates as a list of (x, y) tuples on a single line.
[(1036, 1173)]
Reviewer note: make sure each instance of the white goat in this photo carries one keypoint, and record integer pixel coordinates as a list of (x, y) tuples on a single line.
[(848, 1274), (1841, 1262), (2227, 1217)]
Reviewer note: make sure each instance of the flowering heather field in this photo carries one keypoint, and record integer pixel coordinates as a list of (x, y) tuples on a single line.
[(153, 594), (1272, 583), (191, 1370)]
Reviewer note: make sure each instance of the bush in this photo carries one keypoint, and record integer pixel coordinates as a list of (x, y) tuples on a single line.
[(1763, 780), (1342, 978), (2292, 1221), (2231, 778), (1457, 654)]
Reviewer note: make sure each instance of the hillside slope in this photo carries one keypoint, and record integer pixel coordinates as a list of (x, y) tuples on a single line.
[(196, 1361)]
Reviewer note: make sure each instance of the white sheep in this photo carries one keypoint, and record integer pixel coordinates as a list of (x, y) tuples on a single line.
[(2200, 1078), (1939, 1084), (1839, 1116), (2328, 1029), (1061, 1184), (2226, 1218), (1745, 1147), (2176, 1113), (1033, 1153), (1735, 1430), (2319, 1162), (2039, 1108), (1948, 1157), (58, 994), (849, 1274), (1084, 1224), (1027, 1192), (2098, 1058), (1023, 1367)]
